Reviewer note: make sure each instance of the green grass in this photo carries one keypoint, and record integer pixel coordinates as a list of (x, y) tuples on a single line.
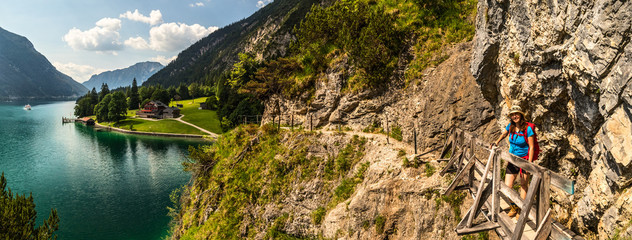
[(318, 215), (396, 133), (379, 224), (203, 118), (162, 126)]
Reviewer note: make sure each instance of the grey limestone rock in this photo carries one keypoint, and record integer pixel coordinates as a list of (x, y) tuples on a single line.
[(568, 63)]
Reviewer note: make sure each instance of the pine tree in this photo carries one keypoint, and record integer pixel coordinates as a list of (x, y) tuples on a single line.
[(134, 97), (104, 91), (18, 215), (94, 96)]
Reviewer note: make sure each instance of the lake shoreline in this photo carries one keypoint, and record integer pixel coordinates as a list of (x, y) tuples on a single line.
[(172, 135)]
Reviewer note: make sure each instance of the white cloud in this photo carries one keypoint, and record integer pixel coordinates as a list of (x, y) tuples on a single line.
[(170, 37), (137, 43), (263, 3), (79, 73), (197, 4), (103, 37), (155, 17), (163, 60)]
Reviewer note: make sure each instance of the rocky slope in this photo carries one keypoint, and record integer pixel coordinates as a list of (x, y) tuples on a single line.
[(568, 64), (123, 77), (26, 73), (447, 96), (314, 194)]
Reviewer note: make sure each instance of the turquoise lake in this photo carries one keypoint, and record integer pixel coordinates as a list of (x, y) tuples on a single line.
[(104, 185)]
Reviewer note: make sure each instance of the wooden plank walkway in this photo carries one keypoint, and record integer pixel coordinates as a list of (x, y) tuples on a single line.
[(491, 195)]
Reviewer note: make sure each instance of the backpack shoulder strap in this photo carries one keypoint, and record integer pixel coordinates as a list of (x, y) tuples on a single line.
[(529, 124)]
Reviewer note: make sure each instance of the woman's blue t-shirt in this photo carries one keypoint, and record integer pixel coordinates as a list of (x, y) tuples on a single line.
[(517, 144)]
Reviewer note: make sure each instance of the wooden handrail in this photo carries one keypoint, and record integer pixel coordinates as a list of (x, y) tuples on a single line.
[(536, 207), (557, 180)]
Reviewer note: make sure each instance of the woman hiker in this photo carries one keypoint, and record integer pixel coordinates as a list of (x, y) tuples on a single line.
[(516, 129)]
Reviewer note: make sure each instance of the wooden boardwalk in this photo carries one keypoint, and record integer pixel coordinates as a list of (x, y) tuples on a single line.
[(491, 195)]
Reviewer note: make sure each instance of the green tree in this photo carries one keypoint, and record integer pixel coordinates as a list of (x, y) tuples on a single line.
[(146, 92), (183, 91), (211, 103), (195, 90), (161, 95), (105, 90), (18, 215), (102, 108), (94, 96), (134, 96), (117, 107), (84, 107), (172, 91), (243, 71)]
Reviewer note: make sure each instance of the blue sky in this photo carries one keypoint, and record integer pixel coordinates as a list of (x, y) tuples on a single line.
[(85, 37)]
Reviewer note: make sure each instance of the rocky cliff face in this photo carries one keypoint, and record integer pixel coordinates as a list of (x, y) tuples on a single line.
[(568, 64), (447, 96)]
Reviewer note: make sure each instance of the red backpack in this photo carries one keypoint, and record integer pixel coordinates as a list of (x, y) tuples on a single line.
[(536, 151)]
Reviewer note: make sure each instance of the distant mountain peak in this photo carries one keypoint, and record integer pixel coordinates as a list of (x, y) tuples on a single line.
[(124, 77)]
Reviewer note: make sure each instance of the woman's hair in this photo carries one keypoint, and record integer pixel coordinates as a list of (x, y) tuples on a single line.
[(521, 124)]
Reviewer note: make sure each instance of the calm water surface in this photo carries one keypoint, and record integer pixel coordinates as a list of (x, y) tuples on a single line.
[(104, 185)]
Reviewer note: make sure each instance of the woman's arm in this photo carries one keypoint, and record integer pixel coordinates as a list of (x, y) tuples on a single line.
[(503, 135), (531, 148)]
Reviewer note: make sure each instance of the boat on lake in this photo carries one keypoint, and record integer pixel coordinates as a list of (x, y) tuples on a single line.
[(27, 107)]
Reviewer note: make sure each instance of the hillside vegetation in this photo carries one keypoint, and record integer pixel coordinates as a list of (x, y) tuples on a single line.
[(249, 168)]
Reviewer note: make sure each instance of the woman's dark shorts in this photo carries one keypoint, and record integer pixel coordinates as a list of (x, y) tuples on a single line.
[(512, 169)]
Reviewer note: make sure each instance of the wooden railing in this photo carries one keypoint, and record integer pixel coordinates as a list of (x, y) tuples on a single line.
[(487, 188)]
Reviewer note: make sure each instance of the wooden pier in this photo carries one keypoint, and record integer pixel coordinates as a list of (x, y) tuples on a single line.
[(69, 120), (86, 120), (490, 193)]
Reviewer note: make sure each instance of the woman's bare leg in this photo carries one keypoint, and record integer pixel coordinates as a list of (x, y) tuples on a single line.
[(510, 179), (524, 185)]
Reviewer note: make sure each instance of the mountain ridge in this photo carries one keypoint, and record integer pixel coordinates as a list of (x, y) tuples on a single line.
[(123, 77), (267, 32), (26, 73)]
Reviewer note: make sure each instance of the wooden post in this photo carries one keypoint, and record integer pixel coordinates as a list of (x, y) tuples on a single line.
[(544, 229), (310, 121), (292, 122), (387, 132), (279, 126), (415, 137), (522, 220), (496, 185), (479, 193), (544, 197)]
